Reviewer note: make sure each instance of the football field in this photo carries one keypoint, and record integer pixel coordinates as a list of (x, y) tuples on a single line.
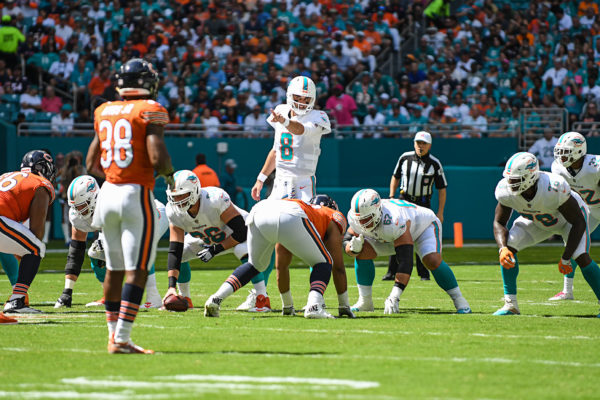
[(551, 351)]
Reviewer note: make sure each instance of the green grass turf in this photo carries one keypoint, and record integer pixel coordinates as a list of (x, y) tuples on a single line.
[(425, 352)]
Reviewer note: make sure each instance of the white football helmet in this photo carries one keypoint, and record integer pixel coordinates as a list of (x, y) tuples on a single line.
[(82, 194), (301, 86), (185, 182), (521, 172), (366, 207), (571, 147)]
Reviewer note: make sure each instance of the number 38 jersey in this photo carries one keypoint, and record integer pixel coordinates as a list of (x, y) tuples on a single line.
[(297, 155), (584, 182), (121, 129), (207, 224), (552, 192)]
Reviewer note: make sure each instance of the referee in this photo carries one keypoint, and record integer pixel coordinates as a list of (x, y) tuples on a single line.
[(415, 173)]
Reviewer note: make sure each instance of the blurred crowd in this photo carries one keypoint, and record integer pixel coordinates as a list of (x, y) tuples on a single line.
[(225, 64)]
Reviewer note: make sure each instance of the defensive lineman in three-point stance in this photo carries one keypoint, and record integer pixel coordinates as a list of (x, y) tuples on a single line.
[(548, 207), (387, 227)]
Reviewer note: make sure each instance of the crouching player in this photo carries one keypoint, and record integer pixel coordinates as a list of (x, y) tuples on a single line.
[(214, 226), (81, 197), (333, 244), (297, 226), (387, 227), (548, 207)]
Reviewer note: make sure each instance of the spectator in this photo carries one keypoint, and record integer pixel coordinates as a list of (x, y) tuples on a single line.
[(99, 82), (373, 123), (62, 68), (205, 174), (250, 83), (214, 76), (229, 182), (10, 37), (62, 124), (210, 121), (591, 121), (475, 124), (543, 149), (51, 102), (341, 106), (30, 101), (558, 73), (255, 123), (18, 82)]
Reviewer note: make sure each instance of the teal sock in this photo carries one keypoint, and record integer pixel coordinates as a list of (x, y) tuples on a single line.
[(444, 277), (574, 265), (151, 270), (264, 276), (185, 273), (99, 271), (509, 278), (365, 272), (10, 265), (591, 273)]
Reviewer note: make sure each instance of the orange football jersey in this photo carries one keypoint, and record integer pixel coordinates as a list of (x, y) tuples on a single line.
[(121, 129), (16, 193), (321, 216)]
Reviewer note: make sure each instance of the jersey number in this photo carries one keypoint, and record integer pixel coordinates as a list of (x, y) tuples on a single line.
[(587, 196), (545, 219), (121, 152), (211, 235), (287, 153), (9, 181)]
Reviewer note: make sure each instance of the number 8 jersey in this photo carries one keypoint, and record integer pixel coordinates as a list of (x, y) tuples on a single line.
[(121, 129)]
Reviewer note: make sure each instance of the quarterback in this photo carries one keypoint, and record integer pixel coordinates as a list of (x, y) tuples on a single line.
[(547, 206)]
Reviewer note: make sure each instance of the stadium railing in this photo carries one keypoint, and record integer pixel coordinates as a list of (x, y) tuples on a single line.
[(339, 132)]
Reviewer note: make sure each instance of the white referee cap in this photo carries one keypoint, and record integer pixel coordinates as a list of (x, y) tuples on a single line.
[(423, 136)]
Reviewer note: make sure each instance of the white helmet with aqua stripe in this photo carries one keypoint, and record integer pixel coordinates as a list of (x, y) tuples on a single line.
[(186, 182), (366, 208), (521, 172), (82, 194), (571, 147), (301, 86)]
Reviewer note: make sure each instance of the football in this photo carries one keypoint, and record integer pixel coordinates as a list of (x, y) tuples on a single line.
[(176, 303)]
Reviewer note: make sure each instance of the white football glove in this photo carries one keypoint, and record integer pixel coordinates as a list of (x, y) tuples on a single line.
[(356, 243), (97, 250), (209, 252), (391, 305)]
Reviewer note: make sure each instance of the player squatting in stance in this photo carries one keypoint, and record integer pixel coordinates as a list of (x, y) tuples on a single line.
[(333, 243), (25, 195), (547, 206), (203, 223), (129, 147), (582, 173), (297, 226), (387, 227), (81, 197), (294, 157)]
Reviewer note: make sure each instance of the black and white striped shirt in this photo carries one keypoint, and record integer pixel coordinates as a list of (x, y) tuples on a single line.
[(417, 175)]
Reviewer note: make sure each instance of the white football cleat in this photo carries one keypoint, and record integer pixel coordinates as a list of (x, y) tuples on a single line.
[(363, 304), (249, 303), (288, 311), (509, 308), (562, 296), (316, 311), (149, 304), (96, 303), (392, 305), (212, 306)]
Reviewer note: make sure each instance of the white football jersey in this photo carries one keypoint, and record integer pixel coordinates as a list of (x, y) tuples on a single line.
[(552, 192), (297, 155), (84, 222), (584, 182), (207, 225), (395, 214)]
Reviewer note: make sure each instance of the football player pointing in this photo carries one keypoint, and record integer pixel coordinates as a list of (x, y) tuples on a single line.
[(129, 146), (295, 153), (547, 206), (582, 173)]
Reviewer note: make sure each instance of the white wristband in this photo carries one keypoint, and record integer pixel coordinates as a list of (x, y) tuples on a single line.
[(286, 123), (261, 177)]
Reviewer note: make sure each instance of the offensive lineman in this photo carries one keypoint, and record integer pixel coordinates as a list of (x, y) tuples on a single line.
[(129, 146), (294, 157), (547, 206), (393, 227), (81, 197), (203, 223), (582, 173)]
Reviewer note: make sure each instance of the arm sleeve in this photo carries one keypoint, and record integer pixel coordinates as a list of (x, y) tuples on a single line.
[(238, 226)]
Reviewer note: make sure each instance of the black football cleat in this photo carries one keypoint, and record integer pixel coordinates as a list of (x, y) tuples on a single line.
[(64, 300)]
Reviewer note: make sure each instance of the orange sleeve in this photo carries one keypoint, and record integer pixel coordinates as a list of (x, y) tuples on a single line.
[(154, 113)]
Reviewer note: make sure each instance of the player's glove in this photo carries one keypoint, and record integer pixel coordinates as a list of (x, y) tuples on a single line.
[(345, 311), (392, 305), (564, 266), (356, 243), (507, 258), (169, 179), (209, 252), (97, 250)]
